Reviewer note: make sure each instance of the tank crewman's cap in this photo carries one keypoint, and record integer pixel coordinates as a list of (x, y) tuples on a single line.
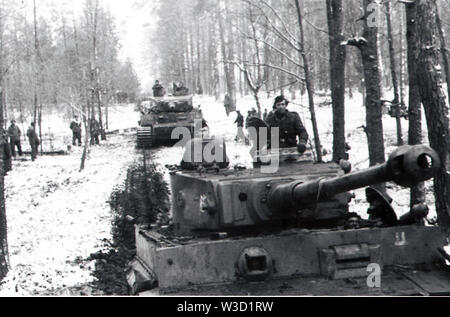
[(279, 100)]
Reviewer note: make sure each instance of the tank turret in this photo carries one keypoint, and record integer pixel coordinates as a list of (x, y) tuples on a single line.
[(297, 194), (237, 225)]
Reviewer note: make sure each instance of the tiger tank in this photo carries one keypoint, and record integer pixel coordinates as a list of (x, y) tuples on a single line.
[(161, 115), (289, 230)]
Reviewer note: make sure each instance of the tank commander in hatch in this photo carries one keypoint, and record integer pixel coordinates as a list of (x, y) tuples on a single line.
[(289, 124), (180, 90), (216, 158), (382, 214), (158, 89), (380, 209)]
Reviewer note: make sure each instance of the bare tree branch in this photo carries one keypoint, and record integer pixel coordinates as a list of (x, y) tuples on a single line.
[(280, 19), (284, 70), (275, 49), (275, 29), (5, 71), (244, 70), (317, 28)]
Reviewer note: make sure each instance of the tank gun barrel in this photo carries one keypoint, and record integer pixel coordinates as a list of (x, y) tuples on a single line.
[(406, 166)]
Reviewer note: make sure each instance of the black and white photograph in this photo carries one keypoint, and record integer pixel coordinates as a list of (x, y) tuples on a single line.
[(212, 150)]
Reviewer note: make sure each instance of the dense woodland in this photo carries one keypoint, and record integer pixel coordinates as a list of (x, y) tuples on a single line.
[(211, 38), (393, 52), (55, 56)]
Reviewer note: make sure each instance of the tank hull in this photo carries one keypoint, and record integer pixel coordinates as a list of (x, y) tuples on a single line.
[(163, 133), (327, 254), (148, 137)]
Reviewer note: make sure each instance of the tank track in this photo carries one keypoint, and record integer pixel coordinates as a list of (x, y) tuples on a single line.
[(144, 137)]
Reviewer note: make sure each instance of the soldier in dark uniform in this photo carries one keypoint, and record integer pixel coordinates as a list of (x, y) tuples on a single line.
[(34, 141), (95, 131), (14, 136), (75, 126), (249, 115), (265, 114), (158, 90), (289, 124), (7, 157), (240, 126), (227, 104)]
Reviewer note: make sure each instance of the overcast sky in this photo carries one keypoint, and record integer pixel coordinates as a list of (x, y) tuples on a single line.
[(133, 23), (134, 20)]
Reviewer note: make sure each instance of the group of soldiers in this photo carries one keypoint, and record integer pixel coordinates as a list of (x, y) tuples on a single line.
[(12, 138), (12, 141), (178, 89), (289, 124), (94, 129), (240, 123)]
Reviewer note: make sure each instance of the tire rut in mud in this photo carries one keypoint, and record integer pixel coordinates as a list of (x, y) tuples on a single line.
[(142, 198)]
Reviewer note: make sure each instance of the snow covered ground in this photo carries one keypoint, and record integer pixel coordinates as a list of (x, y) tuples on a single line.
[(58, 216)]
